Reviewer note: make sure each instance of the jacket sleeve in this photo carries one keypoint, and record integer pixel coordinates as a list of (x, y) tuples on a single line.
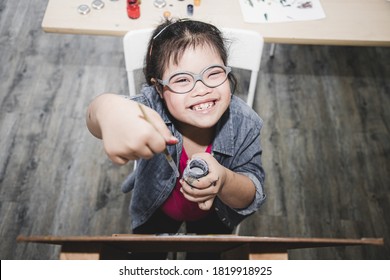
[(246, 161)]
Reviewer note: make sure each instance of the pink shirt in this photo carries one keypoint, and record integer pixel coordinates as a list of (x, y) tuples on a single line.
[(177, 206)]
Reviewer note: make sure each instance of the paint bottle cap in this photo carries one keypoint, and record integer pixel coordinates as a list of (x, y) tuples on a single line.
[(97, 4), (83, 9), (159, 3)]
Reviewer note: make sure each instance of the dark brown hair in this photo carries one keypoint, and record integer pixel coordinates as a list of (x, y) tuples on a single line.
[(170, 40)]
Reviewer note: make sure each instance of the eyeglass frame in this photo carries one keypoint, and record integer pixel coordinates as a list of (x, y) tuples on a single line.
[(196, 77)]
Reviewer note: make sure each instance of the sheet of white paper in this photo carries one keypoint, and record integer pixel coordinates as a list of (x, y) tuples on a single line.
[(269, 11)]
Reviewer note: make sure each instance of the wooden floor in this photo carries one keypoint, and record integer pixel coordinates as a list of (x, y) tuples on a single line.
[(326, 140)]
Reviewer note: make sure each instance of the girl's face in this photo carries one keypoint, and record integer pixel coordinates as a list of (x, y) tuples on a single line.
[(203, 106)]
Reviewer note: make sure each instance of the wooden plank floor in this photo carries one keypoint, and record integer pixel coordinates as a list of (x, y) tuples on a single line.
[(326, 140)]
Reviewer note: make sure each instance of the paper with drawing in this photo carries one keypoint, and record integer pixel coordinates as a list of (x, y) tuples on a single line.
[(269, 11)]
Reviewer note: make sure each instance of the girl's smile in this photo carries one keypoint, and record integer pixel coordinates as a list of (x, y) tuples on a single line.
[(203, 106)]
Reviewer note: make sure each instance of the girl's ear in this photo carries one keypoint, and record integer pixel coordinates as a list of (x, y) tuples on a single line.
[(157, 87)]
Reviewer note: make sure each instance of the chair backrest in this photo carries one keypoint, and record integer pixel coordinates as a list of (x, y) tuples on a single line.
[(245, 52), (135, 44)]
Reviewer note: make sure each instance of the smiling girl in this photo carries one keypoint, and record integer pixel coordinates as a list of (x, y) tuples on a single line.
[(191, 111)]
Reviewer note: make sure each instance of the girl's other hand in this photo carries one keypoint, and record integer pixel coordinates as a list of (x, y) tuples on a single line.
[(205, 189)]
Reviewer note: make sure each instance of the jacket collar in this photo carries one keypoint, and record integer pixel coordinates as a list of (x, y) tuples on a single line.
[(224, 138)]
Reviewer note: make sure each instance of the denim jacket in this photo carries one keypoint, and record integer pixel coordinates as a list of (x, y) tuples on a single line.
[(236, 146)]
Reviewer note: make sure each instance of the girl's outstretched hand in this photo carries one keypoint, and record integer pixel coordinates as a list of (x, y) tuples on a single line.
[(125, 132)]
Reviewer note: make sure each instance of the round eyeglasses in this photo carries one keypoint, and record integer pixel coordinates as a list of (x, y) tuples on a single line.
[(183, 82)]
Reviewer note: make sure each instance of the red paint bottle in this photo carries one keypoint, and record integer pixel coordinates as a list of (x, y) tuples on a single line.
[(133, 10)]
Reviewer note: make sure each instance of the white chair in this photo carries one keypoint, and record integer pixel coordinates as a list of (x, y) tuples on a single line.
[(135, 44), (245, 53)]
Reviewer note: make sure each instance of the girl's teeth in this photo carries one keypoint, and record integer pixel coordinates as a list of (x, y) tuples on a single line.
[(202, 106)]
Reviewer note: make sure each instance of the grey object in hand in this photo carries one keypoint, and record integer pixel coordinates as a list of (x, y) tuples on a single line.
[(195, 169)]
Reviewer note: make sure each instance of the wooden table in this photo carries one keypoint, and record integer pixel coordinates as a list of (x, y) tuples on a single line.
[(347, 22), (231, 246)]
